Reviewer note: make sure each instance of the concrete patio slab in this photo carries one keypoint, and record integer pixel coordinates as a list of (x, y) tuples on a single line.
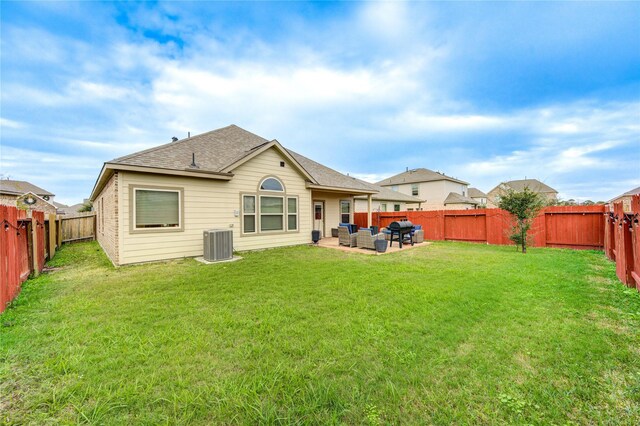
[(332, 243)]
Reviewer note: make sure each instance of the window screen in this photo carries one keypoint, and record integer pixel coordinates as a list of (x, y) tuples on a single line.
[(157, 208)]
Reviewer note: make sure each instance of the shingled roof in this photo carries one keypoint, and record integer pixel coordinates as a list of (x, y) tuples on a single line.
[(386, 194), (326, 176), (455, 198), (219, 151), (19, 187), (214, 151), (418, 175), (476, 193), (533, 184)]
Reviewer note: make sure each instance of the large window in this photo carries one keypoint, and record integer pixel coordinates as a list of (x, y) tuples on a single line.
[(345, 211), (269, 210), (415, 190), (271, 213), (156, 208)]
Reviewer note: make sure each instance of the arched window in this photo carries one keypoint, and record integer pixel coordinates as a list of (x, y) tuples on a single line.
[(271, 184)]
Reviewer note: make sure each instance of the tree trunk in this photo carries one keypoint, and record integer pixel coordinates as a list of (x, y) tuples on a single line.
[(523, 235)]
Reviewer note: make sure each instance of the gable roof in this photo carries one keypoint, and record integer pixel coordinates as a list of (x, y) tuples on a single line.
[(634, 191), (19, 187), (217, 153), (418, 175), (455, 198), (533, 184), (476, 193)]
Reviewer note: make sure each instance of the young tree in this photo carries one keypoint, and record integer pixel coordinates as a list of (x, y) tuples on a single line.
[(524, 206)]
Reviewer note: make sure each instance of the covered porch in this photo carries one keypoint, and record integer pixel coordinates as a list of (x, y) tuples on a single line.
[(332, 206)]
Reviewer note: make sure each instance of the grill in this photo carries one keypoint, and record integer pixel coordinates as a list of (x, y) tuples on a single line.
[(400, 231)]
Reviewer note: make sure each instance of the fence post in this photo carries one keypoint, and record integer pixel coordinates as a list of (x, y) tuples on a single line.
[(624, 251), (34, 246), (52, 235), (635, 239)]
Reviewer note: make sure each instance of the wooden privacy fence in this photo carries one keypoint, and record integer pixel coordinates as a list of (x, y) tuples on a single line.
[(22, 249), (622, 241), (578, 227), (28, 238)]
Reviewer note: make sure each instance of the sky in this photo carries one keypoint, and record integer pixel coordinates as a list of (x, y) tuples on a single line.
[(485, 92)]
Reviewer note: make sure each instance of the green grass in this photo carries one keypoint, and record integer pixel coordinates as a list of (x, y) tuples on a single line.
[(446, 333)]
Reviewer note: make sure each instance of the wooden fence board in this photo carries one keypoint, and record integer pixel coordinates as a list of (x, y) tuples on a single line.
[(75, 228), (578, 227)]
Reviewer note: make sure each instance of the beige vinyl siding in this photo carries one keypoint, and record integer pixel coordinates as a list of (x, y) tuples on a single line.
[(332, 208), (210, 204)]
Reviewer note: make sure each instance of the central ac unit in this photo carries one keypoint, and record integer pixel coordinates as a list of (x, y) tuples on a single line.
[(218, 245)]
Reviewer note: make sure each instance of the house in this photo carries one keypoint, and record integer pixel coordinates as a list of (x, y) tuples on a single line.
[(480, 197), (155, 204), (432, 187), (455, 201), (26, 195), (387, 200), (70, 210), (549, 194), (626, 199)]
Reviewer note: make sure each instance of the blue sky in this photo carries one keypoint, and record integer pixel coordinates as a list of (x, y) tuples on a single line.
[(485, 92)]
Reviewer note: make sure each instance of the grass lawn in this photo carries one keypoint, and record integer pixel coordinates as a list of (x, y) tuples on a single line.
[(446, 333)]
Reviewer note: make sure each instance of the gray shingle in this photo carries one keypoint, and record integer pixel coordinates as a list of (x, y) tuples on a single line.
[(20, 187), (455, 198), (418, 175)]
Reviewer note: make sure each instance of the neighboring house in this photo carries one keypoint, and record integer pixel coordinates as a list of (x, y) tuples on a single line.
[(432, 187), (626, 199), (534, 185), (480, 197), (17, 193), (155, 204), (459, 202), (387, 200), (69, 210)]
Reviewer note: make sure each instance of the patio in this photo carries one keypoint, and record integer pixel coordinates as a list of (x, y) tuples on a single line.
[(332, 243)]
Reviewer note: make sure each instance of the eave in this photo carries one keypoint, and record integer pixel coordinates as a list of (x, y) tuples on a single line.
[(109, 168)]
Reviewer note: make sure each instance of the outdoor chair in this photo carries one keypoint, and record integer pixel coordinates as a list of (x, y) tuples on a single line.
[(418, 234), (345, 238), (366, 240)]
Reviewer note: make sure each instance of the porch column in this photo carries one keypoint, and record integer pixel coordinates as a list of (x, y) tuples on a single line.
[(369, 198)]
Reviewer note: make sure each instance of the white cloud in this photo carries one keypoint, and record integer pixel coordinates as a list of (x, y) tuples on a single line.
[(12, 124)]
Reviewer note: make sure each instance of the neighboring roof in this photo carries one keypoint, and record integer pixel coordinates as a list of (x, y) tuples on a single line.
[(325, 176), (635, 191), (69, 209), (455, 198), (418, 175), (19, 187), (533, 184), (476, 193), (217, 153), (386, 194)]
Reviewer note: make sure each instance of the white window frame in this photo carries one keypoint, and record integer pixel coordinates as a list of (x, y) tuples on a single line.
[(271, 190), (134, 226), (296, 214), (350, 210), (283, 214), (415, 188), (254, 214)]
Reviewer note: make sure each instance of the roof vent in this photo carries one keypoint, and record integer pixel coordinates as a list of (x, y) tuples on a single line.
[(193, 164), (174, 139)]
